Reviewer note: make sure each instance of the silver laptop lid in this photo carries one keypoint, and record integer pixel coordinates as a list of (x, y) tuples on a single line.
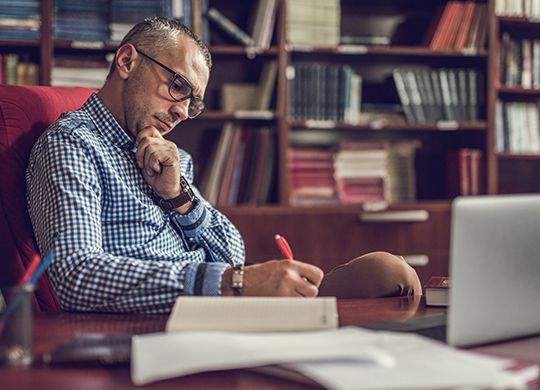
[(494, 269)]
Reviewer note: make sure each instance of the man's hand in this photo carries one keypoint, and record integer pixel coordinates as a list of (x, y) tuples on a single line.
[(277, 278), (159, 162)]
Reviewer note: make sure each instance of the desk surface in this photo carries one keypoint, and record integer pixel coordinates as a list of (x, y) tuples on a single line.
[(51, 329)]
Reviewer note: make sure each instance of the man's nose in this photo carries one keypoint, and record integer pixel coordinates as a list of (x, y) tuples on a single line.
[(180, 109)]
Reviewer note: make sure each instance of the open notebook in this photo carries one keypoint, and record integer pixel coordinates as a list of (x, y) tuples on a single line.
[(253, 314)]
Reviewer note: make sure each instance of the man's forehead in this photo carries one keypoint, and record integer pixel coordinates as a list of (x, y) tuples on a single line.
[(187, 58)]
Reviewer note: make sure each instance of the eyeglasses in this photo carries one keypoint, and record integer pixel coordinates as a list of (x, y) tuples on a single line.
[(180, 89)]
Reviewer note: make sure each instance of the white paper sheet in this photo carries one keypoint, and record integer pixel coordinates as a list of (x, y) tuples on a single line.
[(160, 356), (420, 364)]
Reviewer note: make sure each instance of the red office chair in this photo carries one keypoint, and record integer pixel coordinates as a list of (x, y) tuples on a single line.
[(25, 112)]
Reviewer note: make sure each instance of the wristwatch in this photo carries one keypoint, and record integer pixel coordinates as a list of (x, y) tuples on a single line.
[(186, 195), (238, 279)]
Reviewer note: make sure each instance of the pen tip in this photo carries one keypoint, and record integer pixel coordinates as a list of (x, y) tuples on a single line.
[(277, 236)]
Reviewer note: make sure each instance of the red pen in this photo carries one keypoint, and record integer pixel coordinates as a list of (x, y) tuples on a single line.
[(30, 270), (284, 247)]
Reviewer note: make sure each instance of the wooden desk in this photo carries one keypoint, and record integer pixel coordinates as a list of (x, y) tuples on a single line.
[(49, 330)]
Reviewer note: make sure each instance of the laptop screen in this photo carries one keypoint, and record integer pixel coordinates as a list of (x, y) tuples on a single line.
[(494, 268)]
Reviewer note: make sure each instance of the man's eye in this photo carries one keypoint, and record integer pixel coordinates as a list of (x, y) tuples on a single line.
[(180, 89)]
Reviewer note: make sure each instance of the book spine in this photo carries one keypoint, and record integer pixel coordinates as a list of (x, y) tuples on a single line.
[(403, 96), (229, 27), (196, 17)]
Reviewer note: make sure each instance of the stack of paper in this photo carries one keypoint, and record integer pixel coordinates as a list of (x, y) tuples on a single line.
[(340, 359), (420, 363)]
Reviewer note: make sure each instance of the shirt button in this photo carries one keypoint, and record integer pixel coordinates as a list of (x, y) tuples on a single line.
[(191, 240)]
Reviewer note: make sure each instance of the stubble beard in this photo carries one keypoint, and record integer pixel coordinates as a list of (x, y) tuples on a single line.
[(135, 112)]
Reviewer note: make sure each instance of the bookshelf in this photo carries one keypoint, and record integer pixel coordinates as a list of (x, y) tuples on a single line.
[(410, 29), (513, 35)]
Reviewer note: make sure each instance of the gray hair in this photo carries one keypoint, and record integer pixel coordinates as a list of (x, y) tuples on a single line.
[(158, 34)]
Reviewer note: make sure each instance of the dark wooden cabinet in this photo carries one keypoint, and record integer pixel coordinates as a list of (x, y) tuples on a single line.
[(328, 236)]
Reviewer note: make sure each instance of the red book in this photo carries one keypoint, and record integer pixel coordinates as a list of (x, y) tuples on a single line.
[(458, 173), (436, 291), (435, 42), (462, 34)]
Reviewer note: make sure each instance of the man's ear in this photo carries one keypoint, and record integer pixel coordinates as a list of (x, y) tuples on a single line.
[(125, 60)]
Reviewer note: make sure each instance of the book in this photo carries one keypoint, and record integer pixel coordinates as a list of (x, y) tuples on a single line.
[(266, 85), (253, 314), (229, 27), (436, 291), (239, 96), (262, 23)]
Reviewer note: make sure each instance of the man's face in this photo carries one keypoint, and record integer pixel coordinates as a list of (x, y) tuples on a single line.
[(146, 97)]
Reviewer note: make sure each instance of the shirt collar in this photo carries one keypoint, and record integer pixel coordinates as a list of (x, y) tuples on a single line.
[(106, 124)]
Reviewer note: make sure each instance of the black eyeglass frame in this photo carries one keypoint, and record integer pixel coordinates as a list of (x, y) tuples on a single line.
[(175, 75)]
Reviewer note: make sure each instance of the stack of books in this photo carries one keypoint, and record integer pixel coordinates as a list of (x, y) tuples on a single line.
[(81, 20), (311, 177), (126, 13), (361, 172), (313, 22), (80, 71), (20, 19), (358, 172)]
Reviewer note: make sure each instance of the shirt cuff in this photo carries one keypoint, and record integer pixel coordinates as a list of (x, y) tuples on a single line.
[(204, 278), (194, 221)]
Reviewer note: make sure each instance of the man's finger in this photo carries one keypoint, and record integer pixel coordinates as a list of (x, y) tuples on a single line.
[(306, 289), (312, 273), (149, 131)]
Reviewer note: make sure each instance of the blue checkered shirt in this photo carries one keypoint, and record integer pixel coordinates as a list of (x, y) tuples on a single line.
[(116, 250)]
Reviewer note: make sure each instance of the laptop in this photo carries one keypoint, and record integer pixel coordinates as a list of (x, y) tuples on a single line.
[(495, 273)]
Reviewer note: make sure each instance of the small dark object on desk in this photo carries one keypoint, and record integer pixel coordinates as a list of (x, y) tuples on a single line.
[(432, 326), (91, 349)]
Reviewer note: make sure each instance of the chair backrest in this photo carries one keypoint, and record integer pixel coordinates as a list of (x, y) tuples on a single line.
[(25, 112)]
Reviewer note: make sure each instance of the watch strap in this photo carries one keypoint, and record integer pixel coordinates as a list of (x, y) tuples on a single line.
[(186, 195)]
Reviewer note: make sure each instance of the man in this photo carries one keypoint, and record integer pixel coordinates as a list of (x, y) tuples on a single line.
[(114, 199)]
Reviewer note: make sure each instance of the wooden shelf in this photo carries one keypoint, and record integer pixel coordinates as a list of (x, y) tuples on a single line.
[(241, 50), (429, 205), (504, 90), (441, 126), (518, 156), (240, 116), (411, 51), (215, 50), (18, 42), (513, 21), (85, 45)]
